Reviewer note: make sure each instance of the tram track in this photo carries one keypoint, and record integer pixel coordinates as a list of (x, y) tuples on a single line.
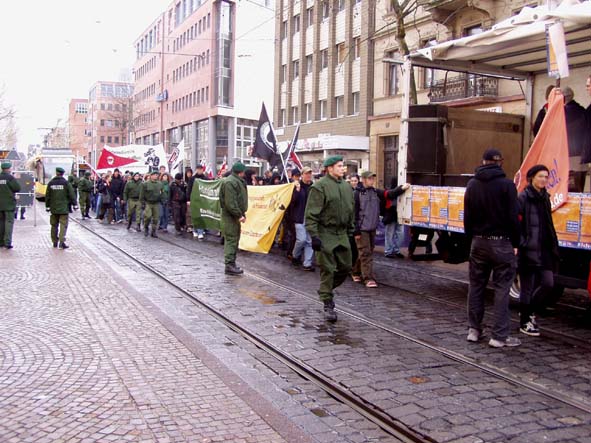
[(371, 412), (337, 391)]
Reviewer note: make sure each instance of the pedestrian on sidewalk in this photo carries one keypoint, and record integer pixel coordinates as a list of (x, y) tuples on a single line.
[(538, 250), (131, 197), (151, 195), (302, 250), (178, 203), (491, 221), (234, 202), (330, 220), (59, 198), (393, 231), (84, 190), (8, 189)]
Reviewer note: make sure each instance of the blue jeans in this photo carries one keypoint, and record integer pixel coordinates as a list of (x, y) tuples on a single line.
[(117, 209), (303, 244), (99, 201), (393, 236), (164, 216)]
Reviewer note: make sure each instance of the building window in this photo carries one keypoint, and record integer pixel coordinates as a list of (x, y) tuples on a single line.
[(294, 114), (296, 24), (296, 69), (323, 109), (116, 140), (284, 30), (341, 53), (357, 47), (309, 64), (102, 123), (325, 9), (340, 108), (355, 97), (341, 5), (282, 118), (308, 116), (109, 139), (324, 59), (81, 108), (102, 106), (310, 16), (102, 138), (283, 73), (472, 30), (393, 76)]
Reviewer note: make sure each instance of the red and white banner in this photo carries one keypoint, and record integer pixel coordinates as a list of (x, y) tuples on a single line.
[(133, 158), (550, 148)]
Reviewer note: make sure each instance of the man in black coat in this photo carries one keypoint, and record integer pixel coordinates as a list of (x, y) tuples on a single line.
[(491, 221), (117, 187)]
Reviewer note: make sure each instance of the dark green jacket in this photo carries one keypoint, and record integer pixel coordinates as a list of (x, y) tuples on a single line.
[(165, 191), (151, 192), (74, 181), (59, 196), (330, 208), (85, 185), (233, 196), (8, 187), (132, 190)]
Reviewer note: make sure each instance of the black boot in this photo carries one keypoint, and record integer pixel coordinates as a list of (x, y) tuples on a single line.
[(146, 231), (63, 245), (329, 313), (154, 233), (232, 269), (129, 225), (138, 228)]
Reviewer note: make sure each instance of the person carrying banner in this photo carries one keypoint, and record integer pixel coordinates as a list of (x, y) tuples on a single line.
[(330, 220), (234, 203), (59, 198), (151, 196), (178, 203), (490, 220), (302, 252), (84, 190), (131, 197), (199, 175), (538, 249), (9, 186)]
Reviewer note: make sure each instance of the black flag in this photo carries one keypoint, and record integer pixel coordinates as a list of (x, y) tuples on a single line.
[(265, 145)]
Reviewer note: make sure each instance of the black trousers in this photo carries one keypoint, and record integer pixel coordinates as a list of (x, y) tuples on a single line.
[(536, 286), (179, 215)]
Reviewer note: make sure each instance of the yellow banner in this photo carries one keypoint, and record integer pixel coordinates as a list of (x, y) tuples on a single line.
[(266, 207)]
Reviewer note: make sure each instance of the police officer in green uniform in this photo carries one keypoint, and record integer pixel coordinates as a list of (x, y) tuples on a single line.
[(330, 220), (234, 203), (131, 195), (59, 198), (151, 195), (8, 187), (84, 190)]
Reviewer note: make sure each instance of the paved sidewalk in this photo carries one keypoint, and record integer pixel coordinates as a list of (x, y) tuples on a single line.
[(81, 360)]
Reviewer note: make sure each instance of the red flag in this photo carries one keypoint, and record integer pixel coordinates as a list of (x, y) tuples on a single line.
[(292, 147), (108, 160), (550, 148)]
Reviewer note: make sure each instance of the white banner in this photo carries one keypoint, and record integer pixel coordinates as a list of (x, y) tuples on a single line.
[(176, 158), (134, 158)]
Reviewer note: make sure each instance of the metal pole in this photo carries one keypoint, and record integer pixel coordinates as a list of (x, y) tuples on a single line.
[(405, 203), (34, 211)]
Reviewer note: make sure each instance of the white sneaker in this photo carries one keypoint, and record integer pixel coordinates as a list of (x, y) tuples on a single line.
[(473, 335), (195, 235), (510, 342), (200, 236)]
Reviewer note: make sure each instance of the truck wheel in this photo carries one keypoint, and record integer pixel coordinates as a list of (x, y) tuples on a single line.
[(515, 290)]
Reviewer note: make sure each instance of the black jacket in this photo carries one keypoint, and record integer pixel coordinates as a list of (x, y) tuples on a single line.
[(586, 155), (117, 186), (538, 246), (178, 193), (490, 205), (390, 206), (191, 182), (576, 126), (297, 207), (539, 119)]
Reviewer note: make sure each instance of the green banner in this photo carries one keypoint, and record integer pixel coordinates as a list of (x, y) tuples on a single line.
[(206, 212)]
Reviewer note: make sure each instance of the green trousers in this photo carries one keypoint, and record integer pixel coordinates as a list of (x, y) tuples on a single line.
[(84, 202), (134, 207), (152, 212), (58, 221), (6, 225), (335, 265), (231, 233)]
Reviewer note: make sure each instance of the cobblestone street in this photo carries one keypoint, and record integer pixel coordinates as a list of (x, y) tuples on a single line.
[(96, 348)]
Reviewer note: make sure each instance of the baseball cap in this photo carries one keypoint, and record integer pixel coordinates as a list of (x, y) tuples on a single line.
[(368, 174)]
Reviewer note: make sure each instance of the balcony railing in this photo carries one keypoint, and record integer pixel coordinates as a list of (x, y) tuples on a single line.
[(463, 87)]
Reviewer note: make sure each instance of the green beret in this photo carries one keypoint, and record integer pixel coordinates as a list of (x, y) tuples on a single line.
[(238, 167), (87, 174), (330, 161), (154, 172), (59, 170), (6, 165)]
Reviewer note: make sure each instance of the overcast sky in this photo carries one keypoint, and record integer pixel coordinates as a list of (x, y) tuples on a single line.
[(54, 50)]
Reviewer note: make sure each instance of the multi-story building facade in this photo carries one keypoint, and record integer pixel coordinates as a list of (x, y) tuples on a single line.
[(324, 71), (78, 128), (201, 72), (433, 22), (110, 111)]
